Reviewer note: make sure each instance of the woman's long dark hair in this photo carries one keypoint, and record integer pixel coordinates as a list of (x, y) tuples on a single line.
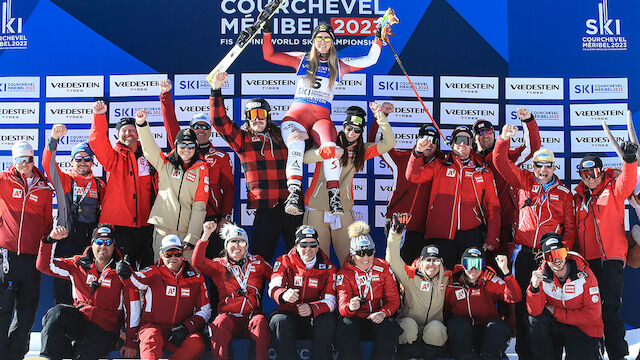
[(358, 158), (177, 162)]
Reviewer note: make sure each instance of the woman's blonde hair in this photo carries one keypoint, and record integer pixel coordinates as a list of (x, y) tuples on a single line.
[(314, 62)]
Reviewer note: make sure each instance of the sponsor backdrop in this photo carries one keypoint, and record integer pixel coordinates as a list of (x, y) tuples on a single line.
[(573, 64)]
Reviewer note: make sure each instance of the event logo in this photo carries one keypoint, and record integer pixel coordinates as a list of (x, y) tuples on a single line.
[(472, 87), (599, 88), (594, 114), (20, 87), (198, 85), (534, 88), (398, 85), (75, 86), (605, 32), (11, 36), (545, 115), (19, 113), (467, 113)]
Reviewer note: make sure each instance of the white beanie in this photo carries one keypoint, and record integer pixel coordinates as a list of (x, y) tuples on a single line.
[(21, 148)]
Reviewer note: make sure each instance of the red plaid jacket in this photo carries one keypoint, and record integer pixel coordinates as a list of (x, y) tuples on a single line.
[(263, 161)]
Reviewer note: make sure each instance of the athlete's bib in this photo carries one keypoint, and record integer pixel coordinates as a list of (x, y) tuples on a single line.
[(318, 93)]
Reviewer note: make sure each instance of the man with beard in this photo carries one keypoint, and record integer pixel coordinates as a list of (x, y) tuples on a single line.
[(79, 195)]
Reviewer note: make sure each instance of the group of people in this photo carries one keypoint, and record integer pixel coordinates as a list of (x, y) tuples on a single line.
[(478, 250)]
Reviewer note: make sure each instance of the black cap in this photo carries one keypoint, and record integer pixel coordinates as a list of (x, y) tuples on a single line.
[(472, 252), (429, 130), (430, 251), (589, 162), (323, 27), (306, 232), (461, 129), (481, 125), (355, 117), (551, 241), (186, 135), (104, 231), (125, 121)]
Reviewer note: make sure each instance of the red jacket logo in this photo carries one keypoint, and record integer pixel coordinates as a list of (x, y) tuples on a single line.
[(171, 291), (451, 172), (191, 177), (313, 283), (185, 292), (17, 193)]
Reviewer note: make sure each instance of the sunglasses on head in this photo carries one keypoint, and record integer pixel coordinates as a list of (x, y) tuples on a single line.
[(306, 244), (172, 253), (100, 242), (485, 131), (539, 164), (432, 260), (23, 160), (590, 173), (556, 255), (239, 242), (473, 263), (201, 126), (83, 159), (368, 252), (356, 130), (326, 39), (460, 139), (254, 114), (184, 145)]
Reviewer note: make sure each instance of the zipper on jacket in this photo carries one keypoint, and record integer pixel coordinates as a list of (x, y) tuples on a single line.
[(175, 308), (430, 303), (603, 255), (184, 173), (473, 322)]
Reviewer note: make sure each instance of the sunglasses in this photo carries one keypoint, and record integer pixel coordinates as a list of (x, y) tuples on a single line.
[(238, 242), (184, 145), (354, 129), (547, 165), (326, 39), (254, 114), (556, 255), (459, 140), (172, 253), (307, 244), (101, 242), (473, 263), (368, 252), (83, 159), (485, 131), (590, 173), (23, 160), (432, 139), (201, 126), (435, 261)]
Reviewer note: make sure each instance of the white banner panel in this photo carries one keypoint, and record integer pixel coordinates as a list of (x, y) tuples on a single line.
[(545, 115), (468, 113), (118, 110), (595, 114), (197, 84), (352, 84), (410, 112), (599, 88), (20, 87), (359, 188), (361, 212), (135, 85), (70, 139), (552, 140), (246, 215), (75, 86), (268, 83), (595, 140), (159, 135), (10, 136), (19, 112), (469, 87), (398, 85), (534, 88), (384, 189), (380, 167), (381, 210), (69, 113)]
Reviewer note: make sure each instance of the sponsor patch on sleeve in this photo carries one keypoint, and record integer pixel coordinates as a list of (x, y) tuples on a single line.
[(594, 290), (339, 279), (595, 298), (276, 266)]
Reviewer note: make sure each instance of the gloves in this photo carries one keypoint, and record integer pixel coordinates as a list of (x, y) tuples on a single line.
[(379, 31), (399, 221), (267, 28), (124, 268), (177, 335), (629, 151)]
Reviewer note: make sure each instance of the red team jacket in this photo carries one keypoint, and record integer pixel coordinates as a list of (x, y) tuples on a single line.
[(109, 304), (222, 193), (382, 295), (219, 270), (25, 212), (600, 219), (317, 285), (479, 303), (172, 299), (540, 211), (576, 303), (457, 193), (129, 180)]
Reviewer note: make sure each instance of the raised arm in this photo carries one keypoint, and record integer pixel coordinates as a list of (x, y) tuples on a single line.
[(99, 137), (626, 181), (388, 140), (394, 240), (229, 130), (509, 171), (198, 259), (532, 141), (417, 171), (151, 150), (171, 125), (348, 65), (291, 59), (49, 264)]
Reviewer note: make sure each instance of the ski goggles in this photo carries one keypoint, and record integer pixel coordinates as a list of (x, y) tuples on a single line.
[(461, 139), (544, 164), (367, 252), (432, 138), (473, 263), (238, 242), (23, 160), (306, 244), (201, 127), (326, 39), (356, 130), (587, 174), (556, 255), (185, 145), (173, 252), (254, 114), (105, 242), (83, 159)]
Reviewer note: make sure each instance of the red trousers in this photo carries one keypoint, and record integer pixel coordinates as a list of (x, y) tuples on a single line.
[(316, 119), (225, 327), (153, 339)]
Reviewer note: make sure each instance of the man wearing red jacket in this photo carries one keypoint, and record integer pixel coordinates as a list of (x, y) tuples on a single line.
[(484, 143), (564, 303), (303, 285), (176, 304), (408, 197), (129, 188), (546, 205), (101, 301), (79, 196), (25, 205), (463, 195), (602, 240)]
